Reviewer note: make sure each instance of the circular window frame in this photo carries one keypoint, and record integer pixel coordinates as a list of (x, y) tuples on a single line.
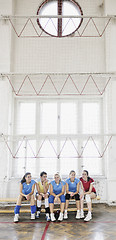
[(38, 22)]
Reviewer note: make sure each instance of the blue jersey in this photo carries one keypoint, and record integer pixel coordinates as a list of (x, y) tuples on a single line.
[(27, 188), (57, 188), (72, 185)]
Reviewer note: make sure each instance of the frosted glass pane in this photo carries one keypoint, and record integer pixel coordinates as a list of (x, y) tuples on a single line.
[(48, 165), (70, 24), (48, 160), (68, 118), (67, 164), (26, 118), (68, 149), (19, 161), (91, 118), (94, 166), (49, 24), (92, 161), (31, 160), (48, 118)]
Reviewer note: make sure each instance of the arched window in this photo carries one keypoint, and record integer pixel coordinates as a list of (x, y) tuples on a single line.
[(59, 27)]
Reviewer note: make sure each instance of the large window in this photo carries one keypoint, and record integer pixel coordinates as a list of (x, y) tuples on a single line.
[(59, 27), (58, 135)]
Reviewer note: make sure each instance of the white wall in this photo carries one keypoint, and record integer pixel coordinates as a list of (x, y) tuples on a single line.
[(56, 55)]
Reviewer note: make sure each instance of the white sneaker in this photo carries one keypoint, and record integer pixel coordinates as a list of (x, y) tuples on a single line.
[(65, 215), (16, 217), (32, 216), (78, 215), (38, 214), (60, 217), (52, 217), (47, 217), (88, 217), (82, 214)]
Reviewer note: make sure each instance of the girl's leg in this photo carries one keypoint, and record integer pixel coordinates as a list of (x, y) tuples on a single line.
[(17, 208), (47, 209), (62, 207), (67, 197), (33, 207), (51, 204), (88, 200), (39, 197)]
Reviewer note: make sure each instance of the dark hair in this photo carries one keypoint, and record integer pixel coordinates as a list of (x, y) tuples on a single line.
[(86, 172), (23, 179), (88, 178), (43, 173), (72, 171)]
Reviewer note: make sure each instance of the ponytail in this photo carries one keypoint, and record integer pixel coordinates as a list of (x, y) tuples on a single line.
[(23, 179)]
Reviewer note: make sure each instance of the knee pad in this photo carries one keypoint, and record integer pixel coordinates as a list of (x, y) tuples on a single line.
[(87, 198)]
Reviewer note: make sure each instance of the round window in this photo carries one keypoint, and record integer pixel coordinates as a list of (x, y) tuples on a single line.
[(59, 27)]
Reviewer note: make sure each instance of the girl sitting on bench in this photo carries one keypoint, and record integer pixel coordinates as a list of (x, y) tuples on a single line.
[(89, 192), (27, 186)]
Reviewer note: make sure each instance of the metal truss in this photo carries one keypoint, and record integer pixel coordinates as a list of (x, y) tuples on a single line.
[(20, 142), (27, 27), (56, 84)]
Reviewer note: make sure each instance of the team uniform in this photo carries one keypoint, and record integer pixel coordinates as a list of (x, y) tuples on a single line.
[(41, 190), (57, 189), (86, 184), (27, 188), (72, 188)]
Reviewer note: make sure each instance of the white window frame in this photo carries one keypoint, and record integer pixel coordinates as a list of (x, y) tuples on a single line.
[(79, 101)]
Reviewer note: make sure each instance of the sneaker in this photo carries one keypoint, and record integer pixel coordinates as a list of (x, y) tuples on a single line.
[(65, 215), (60, 217), (82, 214), (47, 217), (37, 214), (52, 217), (78, 215), (32, 216), (88, 217), (16, 218)]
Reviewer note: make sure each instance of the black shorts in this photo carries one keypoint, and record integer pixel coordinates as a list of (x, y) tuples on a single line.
[(76, 197)]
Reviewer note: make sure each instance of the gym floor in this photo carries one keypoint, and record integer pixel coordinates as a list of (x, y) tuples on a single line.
[(101, 227)]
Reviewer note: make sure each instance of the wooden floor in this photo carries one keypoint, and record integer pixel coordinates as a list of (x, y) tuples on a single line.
[(101, 227)]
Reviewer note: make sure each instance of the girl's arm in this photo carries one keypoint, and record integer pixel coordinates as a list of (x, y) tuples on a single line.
[(21, 188), (63, 191), (38, 189), (51, 191), (32, 192), (77, 188), (45, 187)]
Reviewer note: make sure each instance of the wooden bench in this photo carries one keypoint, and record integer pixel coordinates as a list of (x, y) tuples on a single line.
[(26, 203)]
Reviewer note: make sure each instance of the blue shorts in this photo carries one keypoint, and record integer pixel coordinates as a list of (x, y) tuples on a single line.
[(62, 199)]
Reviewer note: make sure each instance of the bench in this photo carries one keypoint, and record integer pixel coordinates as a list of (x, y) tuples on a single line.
[(13, 201)]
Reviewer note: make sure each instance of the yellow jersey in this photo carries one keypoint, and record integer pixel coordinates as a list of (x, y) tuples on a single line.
[(41, 188)]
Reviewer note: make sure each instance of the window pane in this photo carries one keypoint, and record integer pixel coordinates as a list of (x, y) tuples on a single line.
[(68, 118), (49, 24), (68, 164), (26, 118), (68, 155), (93, 165), (92, 161), (31, 160), (19, 161), (69, 25), (48, 157), (48, 118), (91, 118)]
